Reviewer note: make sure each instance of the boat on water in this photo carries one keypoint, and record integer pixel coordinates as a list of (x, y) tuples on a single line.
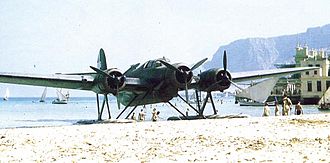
[(6, 96), (61, 98), (43, 96), (249, 102), (324, 103)]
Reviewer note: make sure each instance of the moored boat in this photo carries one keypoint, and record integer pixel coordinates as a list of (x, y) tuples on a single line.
[(43, 96), (61, 98), (6, 96), (248, 102)]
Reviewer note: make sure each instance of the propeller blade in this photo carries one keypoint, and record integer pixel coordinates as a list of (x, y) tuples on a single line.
[(100, 71), (225, 60), (169, 65), (198, 64)]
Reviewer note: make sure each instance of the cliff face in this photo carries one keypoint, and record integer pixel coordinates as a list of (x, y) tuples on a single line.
[(263, 53)]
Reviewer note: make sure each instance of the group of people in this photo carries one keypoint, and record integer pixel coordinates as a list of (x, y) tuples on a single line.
[(286, 108), (142, 115)]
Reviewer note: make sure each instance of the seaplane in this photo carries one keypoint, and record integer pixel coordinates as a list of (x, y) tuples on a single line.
[(155, 81)]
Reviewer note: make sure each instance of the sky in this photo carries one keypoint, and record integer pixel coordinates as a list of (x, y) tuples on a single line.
[(47, 36)]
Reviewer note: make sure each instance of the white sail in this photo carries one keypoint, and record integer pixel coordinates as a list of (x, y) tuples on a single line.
[(259, 92), (43, 96), (60, 95), (6, 96), (325, 99), (61, 98)]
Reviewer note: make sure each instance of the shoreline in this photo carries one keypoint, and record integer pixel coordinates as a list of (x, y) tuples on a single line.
[(292, 139)]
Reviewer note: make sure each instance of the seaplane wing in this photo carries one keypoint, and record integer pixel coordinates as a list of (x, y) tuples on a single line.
[(56, 80), (255, 75)]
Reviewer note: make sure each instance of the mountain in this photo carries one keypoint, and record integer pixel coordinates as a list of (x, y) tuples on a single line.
[(263, 53)]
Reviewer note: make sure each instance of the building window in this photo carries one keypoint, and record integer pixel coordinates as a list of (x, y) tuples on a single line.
[(318, 65), (307, 72), (309, 86), (310, 65), (315, 72), (318, 86), (327, 83)]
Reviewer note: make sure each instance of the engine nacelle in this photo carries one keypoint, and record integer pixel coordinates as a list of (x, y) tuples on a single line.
[(214, 80), (180, 78), (109, 84)]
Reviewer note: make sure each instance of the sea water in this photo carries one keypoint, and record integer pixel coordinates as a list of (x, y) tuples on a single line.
[(29, 112)]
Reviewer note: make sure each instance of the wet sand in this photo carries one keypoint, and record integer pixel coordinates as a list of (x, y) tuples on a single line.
[(258, 139)]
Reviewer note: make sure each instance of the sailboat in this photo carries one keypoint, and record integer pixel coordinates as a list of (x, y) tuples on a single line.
[(61, 98), (6, 96), (256, 95), (324, 103), (43, 96)]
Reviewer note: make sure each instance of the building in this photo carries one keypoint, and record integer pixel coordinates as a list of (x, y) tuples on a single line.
[(306, 87), (313, 83)]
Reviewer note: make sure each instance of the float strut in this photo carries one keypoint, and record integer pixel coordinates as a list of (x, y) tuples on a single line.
[(131, 112), (107, 101), (204, 104), (198, 104), (177, 110), (188, 104), (214, 110), (99, 113), (144, 96), (127, 106), (103, 103)]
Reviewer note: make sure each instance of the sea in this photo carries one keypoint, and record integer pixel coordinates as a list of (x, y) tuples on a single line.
[(29, 112)]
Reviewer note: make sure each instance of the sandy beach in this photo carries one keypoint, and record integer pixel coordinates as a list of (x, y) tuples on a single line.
[(259, 139)]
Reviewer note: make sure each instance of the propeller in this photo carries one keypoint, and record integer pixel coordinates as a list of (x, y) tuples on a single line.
[(185, 74), (111, 79), (223, 77), (224, 60), (225, 69)]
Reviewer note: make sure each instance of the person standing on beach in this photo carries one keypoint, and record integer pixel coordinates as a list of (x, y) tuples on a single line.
[(133, 116), (141, 116), (154, 116), (266, 112), (277, 109), (286, 105), (187, 112), (298, 109)]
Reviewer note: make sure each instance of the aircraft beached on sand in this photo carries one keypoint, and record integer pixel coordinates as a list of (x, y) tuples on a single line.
[(155, 81)]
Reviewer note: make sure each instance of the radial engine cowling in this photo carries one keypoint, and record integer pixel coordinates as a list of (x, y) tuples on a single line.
[(182, 77), (111, 83), (214, 80)]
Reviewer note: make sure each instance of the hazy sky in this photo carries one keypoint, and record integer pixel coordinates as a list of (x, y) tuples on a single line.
[(47, 36)]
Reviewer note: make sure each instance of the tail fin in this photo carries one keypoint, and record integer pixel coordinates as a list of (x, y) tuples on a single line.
[(101, 60)]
